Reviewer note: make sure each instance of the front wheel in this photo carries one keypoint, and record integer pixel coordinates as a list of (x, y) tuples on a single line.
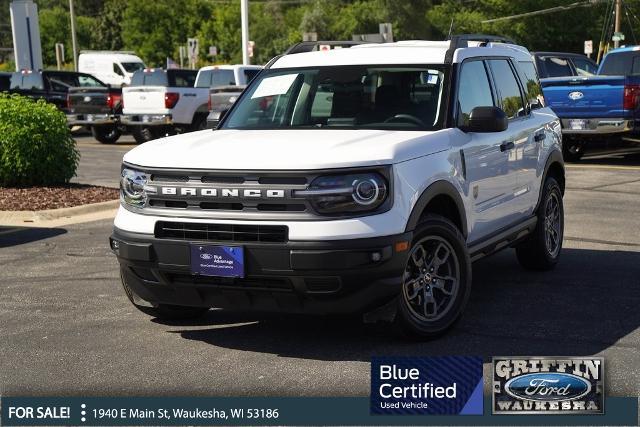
[(436, 281), (106, 134), (162, 311), (541, 250)]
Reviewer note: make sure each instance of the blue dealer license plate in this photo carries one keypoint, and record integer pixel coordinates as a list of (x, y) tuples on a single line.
[(220, 261)]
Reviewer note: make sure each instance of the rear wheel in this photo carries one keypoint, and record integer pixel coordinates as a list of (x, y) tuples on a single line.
[(162, 311), (436, 281), (143, 134), (572, 149), (541, 250), (199, 122), (106, 134)]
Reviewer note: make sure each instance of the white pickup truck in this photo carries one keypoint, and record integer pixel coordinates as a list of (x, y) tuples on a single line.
[(227, 83), (164, 102)]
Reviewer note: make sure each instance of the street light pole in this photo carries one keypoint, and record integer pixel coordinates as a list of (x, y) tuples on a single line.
[(616, 28), (244, 17), (74, 41)]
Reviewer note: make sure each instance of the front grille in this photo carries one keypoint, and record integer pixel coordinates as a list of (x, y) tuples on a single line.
[(222, 232)]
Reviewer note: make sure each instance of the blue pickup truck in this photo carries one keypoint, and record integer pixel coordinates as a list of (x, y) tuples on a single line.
[(598, 111)]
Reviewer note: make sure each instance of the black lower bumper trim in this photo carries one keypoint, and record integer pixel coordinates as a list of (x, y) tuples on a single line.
[(306, 277)]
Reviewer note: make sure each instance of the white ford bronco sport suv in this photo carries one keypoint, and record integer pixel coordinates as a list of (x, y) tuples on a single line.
[(349, 180)]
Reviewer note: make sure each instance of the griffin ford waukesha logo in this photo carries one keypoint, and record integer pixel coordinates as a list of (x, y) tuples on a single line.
[(548, 385), (234, 193), (574, 96)]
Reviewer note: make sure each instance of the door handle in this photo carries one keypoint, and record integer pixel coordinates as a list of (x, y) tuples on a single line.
[(540, 137), (507, 145)]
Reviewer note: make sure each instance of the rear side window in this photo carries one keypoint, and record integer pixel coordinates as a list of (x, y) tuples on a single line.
[(532, 84), (62, 82), (585, 67), (85, 80), (507, 87), (556, 67), (182, 78), (474, 90)]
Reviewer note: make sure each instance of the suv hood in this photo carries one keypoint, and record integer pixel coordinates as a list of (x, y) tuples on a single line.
[(286, 149)]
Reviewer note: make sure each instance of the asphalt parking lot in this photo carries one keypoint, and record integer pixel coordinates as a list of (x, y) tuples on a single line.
[(67, 328)]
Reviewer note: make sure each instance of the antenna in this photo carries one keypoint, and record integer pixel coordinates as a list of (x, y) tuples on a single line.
[(450, 29)]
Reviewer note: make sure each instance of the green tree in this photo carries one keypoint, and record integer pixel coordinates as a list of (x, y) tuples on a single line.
[(108, 35)]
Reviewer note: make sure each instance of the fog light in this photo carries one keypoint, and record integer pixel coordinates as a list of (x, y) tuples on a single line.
[(376, 256), (115, 245)]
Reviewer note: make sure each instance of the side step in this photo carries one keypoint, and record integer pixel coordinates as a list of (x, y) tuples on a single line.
[(502, 239)]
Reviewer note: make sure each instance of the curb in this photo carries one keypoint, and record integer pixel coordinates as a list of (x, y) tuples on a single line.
[(35, 217)]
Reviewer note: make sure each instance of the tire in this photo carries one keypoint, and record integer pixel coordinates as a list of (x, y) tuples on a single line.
[(143, 134), (536, 252), (108, 134), (434, 236), (163, 311), (199, 122), (572, 150)]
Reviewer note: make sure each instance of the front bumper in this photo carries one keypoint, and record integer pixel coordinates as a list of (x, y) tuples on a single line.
[(597, 126), (146, 119), (91, 119), (299, 277)]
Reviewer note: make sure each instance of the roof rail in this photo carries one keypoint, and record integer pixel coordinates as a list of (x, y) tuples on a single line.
[(462, 40), (314, 46), (126, 52)]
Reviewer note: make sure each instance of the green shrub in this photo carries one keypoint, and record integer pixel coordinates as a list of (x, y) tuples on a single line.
[(36, 147)]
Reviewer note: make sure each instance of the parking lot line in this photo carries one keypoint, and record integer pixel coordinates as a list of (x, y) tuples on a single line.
[(609, 167)]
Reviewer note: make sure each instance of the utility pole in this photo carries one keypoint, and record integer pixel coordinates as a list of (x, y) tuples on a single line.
[(244, 17), (618, 18), (74, 41)]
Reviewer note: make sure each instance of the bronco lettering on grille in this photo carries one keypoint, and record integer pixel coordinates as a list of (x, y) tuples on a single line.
[(249, 193)]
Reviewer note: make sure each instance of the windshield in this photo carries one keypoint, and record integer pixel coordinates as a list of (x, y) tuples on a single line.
[(131, 67), (352, 97)]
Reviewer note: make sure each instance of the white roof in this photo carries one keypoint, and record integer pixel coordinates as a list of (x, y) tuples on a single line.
[(231, 67), (122, 56), (403, 52)]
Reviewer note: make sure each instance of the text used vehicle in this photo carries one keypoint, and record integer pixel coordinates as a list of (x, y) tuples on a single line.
[(161, 102), (349, 180)]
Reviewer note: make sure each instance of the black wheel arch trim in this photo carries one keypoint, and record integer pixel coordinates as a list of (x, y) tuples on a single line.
[(434, 190), (554, 157)]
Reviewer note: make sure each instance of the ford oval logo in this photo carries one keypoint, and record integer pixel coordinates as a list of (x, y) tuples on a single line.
[(206, 256), (576, 95), (547, 386)]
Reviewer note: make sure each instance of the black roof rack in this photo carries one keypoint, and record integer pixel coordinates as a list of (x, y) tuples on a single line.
[(462, 40), (313, 46)]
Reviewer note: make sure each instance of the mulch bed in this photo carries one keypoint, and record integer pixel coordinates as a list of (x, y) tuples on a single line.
[(63, 196)]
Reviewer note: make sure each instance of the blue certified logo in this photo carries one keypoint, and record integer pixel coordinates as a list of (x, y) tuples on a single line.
[(449, 385), (547, 386)]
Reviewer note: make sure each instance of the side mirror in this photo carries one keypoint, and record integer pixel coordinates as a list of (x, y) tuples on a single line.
[(487, 119)]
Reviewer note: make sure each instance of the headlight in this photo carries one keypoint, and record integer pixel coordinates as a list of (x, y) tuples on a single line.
[(132, 184), (351, 193)]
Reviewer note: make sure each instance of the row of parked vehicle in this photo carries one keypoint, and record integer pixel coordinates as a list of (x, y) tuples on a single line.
[(147, 102), (598, 105)]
